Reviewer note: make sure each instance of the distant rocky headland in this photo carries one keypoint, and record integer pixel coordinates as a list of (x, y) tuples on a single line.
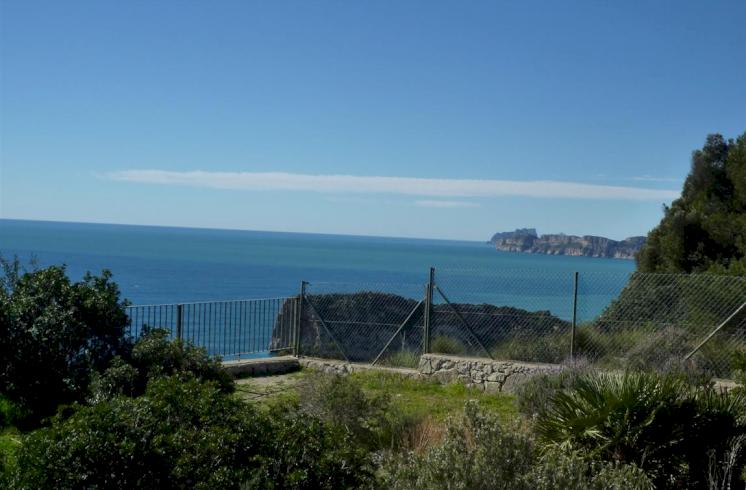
[(526, 240)]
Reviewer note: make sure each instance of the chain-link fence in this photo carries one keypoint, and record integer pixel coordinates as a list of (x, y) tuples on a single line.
[(372, 323), (611, 319), (661, 319)]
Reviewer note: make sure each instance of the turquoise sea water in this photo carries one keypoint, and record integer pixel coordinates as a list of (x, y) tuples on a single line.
[(166, 265)]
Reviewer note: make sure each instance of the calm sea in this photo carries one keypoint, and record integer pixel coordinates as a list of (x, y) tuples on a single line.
[(166, 265)]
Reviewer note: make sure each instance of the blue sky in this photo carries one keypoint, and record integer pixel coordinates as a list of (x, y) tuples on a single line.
[(473, 117)]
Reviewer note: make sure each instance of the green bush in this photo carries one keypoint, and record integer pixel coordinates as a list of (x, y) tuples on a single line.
[(186, 434), (180, 434), (10, 413), (370, 420), (558, 469), (54, 334), (478, 453), (443, 344), (152, 356), (536, 393), (550, 348), (9, 444), (303, 452), (660, 423)]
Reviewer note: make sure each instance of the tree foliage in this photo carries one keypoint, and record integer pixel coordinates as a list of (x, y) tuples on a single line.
[(705, 229), (156, 355), (54, 333)]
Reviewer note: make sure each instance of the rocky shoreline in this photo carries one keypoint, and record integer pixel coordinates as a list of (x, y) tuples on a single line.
[(526, 240)]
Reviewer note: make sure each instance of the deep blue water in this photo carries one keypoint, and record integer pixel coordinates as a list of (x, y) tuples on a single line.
[(168, 265)]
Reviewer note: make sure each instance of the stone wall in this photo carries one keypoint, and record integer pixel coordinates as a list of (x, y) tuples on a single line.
[(340, 367), (484, 374)]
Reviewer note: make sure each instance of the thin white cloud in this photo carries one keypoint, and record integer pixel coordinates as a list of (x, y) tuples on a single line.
[(650, 178), (409, 186), (445, 204)]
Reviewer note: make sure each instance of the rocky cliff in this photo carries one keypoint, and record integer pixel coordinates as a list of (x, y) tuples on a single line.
[(526, 240)]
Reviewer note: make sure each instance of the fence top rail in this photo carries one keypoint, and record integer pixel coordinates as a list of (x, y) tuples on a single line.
[(216, 301), (484, 271), (366, 284)]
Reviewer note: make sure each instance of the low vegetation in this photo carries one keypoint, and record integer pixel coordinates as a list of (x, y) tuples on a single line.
[(161, 413), (668, 428), (478, 451)]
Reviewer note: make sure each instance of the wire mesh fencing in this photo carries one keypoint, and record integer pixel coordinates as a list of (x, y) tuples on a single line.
[(230, 329), (609, 319), (612, 320), (373, 323), (660, 320), (518, 315)]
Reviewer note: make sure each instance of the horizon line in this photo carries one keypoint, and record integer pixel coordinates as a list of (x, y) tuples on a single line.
[(323, 234)]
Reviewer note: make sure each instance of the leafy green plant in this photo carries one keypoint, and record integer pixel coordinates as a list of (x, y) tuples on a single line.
[(10, 413), (370, 420), (550, 348), (478, 452), (183, 433), (557, 468), (535, 394), (155, 355), (660, 423), (54, 333), (304, 452)]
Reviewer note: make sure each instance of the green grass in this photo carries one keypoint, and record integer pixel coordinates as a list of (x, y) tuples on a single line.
[(404, 359), (419, 399), (266, 391), (422, 399)]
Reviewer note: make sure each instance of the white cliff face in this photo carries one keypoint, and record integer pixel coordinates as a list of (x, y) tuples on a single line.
[(587, 246)]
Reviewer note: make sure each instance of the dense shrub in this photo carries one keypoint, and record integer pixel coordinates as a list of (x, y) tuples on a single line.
[(180, 434), (155, 355), (479, 453), (665, 426), (546, 347), (54, 334), (186, 434), (302, 451), (10, 413), (371, 421), (535, 395)]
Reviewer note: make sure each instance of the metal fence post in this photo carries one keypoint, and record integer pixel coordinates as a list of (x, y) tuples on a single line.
[(428, 311), (574, 316), (179, 314), (299, 318)]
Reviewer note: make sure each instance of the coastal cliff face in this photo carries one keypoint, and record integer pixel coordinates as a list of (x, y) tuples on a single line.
[(527, 241)]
